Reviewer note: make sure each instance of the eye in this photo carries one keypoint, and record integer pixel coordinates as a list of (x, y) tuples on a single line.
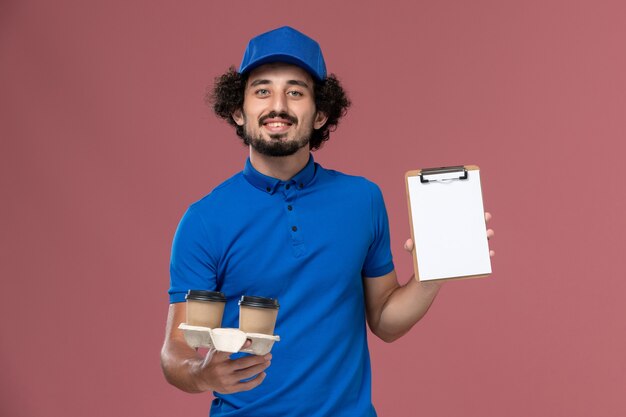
[(294, 93), (262, 92)]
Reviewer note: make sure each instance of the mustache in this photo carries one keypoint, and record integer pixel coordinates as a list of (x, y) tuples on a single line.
[(282, 115)]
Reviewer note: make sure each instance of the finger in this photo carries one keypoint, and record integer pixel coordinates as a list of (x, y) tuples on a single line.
[(247, 344), (490, 233), (487, 216), (252, 371), (248, 385), (492, 253), (249, 361), (408, 245)]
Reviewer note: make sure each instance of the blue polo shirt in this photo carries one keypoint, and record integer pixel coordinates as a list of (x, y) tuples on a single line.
[(307, 242)]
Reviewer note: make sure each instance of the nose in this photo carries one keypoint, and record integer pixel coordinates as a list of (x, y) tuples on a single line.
[(279, 103)]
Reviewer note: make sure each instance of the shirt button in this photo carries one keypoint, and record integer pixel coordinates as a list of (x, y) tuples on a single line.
[(268, 189), (287, 186), (294, 228), (289, 207)]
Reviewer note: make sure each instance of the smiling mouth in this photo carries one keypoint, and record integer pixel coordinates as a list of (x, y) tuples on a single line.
[(277, 122), (277, 126)]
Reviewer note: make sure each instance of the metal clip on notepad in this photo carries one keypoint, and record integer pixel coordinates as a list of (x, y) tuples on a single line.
[(443, 174)]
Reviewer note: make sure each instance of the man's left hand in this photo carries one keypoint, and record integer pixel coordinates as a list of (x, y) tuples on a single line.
[(490, 232)]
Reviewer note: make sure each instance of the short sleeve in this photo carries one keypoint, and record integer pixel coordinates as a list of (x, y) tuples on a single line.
[(378, 261), (192, 265)]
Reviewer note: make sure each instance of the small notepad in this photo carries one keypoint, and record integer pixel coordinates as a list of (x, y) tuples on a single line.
[(448, 223)]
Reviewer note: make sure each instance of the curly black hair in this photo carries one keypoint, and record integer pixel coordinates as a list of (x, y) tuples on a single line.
[(330, 98)]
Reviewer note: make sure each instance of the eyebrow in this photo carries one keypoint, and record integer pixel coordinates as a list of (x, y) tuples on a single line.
[(290, 82), (298, 82)]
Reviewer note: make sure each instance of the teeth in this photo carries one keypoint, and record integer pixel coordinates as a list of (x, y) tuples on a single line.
[(277, 124)]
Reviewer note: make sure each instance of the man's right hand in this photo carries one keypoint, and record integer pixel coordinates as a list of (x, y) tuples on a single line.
[(217, 372), (188, 370)]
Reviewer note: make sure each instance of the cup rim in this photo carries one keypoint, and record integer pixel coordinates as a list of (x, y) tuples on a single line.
[(260, 302), (205, 295)]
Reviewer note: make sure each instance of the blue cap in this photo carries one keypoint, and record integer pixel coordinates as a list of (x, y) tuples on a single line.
[(284, 44)]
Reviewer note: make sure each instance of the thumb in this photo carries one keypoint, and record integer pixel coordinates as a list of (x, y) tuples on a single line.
[(214, 356)]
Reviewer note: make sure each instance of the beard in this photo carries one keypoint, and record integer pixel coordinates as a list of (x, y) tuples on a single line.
[(276, 146)]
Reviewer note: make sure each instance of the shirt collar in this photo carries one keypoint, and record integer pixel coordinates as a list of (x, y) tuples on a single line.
[(269, 184)]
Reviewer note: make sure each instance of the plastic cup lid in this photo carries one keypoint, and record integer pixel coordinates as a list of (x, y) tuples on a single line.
[(204, 295), (262, 302)]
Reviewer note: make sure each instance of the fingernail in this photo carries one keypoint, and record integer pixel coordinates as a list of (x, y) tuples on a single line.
[(267, 357)]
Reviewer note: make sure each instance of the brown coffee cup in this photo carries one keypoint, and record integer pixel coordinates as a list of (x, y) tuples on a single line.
[(205, 308), (257, 314)]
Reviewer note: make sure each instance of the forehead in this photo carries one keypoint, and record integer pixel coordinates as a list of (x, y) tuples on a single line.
[(280, 72)]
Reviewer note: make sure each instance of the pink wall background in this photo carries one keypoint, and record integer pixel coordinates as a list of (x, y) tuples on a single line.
[(105, 140)]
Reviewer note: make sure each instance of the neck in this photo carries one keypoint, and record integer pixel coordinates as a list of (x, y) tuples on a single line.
[(281, 167)]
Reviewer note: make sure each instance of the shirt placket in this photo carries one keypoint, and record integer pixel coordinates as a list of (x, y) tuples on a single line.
[(290, 193)]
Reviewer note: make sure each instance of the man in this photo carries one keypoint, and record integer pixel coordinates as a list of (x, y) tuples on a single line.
[(286, 228)]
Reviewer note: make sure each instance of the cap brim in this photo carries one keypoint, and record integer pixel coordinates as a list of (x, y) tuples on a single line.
[(289, 59)]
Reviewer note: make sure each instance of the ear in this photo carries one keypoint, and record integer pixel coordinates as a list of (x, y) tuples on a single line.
[(320, 120), (237, 116)]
